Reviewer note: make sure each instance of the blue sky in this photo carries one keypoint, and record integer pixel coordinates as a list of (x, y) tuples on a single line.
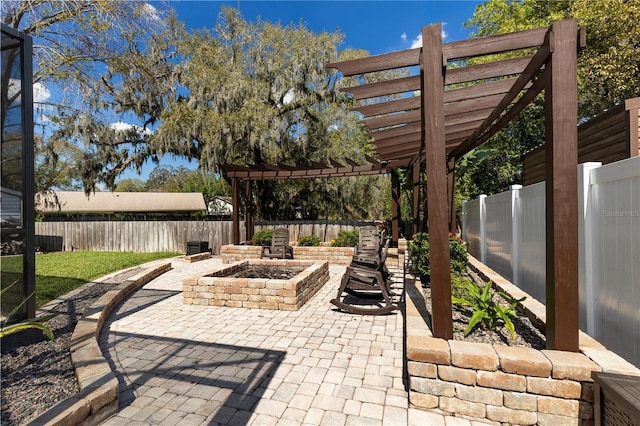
[(376, 26)]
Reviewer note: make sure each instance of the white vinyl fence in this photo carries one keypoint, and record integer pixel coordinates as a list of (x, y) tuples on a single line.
[(507, 232)]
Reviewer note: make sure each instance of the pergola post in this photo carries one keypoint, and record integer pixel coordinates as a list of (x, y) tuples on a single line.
[(395, 208), (561, 118), (235, 216), (416, 197), (435, 157), (451, 182), (248, 211)]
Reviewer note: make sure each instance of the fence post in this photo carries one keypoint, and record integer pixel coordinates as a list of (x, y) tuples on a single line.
[(463, 231), (483, 228), (585, 247), (515, 233)]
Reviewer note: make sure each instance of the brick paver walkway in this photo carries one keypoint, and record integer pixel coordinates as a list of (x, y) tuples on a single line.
[(197, 365)]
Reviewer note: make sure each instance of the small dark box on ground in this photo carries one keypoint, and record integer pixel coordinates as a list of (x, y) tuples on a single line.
[(195, 247)]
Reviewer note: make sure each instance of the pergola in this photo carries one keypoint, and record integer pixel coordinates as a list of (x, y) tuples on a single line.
[(459, 107)]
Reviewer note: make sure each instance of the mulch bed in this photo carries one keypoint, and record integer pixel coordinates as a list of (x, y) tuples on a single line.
[(269, 272), (36, 373), (527, 334)]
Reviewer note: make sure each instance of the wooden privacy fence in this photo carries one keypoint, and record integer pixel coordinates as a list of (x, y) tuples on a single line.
[(136, 236), (154, 236)]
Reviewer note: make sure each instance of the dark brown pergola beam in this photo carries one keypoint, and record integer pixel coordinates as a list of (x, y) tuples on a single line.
[(457, 119), (525, 78), (398, 141), (456, 50), (235, 215), (415, 201), (384, 88), (406, 129), (521, 104), (241, 172), (486, 71), (386, 61), (479, 90), (435, 155), (404, 150), (465, 127), (454, 76), (452, 95), (388, 107), (462, 107), (475, 104), (561, 156), (490, 45), (393, 119)]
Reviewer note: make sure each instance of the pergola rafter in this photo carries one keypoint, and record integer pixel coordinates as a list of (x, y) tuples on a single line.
[(450, 108)]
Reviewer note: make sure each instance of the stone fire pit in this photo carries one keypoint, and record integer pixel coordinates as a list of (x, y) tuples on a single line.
[(220, 288)]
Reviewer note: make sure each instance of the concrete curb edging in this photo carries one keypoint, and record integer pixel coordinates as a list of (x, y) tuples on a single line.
[(98, 396)]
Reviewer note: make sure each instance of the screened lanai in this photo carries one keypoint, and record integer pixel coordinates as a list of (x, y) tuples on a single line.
[(464, 93)]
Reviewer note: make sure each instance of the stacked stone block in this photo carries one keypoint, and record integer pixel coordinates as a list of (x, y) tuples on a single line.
[(215, 289), (334, 255), (498, 383)]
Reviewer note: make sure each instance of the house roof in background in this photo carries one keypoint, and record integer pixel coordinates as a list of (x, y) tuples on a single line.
[(121, 202)]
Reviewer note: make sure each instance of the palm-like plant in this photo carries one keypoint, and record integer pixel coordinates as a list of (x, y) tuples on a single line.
[(485, 310), (37, 323)]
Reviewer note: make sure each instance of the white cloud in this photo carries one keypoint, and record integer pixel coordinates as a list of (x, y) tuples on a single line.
[(403, 36), (151, 12), (417, 42), (121, 126)]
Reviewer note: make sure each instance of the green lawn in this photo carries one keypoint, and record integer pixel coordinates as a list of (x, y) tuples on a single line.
[(59, 273)]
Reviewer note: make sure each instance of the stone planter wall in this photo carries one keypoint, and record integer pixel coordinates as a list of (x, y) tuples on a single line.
[(333, 255), (501, 384), (257, 293)]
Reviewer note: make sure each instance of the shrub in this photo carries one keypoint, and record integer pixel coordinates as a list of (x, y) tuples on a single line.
[(309, 241), (484, 309), (420, 259), (419, 254), (346, 239), (458, 254), (263, 237)]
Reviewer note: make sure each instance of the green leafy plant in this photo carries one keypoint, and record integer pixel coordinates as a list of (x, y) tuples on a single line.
[(36, 323), (485, 309), (420, 257), (263, 237), (346, 239), (459, 286), (309, 241)]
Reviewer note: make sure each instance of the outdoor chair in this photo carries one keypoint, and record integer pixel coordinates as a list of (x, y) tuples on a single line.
[(365, 279), (279, 248)]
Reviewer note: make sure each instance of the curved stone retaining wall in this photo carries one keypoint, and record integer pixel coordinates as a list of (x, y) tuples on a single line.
[(98, 396)]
